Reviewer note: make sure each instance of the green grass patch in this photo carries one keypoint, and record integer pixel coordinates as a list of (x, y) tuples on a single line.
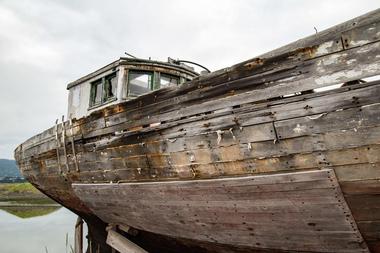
[(30, 201), (28, 212), (24, 193), (18, 188)]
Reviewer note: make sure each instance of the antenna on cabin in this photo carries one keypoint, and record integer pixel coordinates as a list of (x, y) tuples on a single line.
[(130, 55)]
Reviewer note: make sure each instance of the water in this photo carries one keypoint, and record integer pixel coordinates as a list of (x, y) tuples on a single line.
[(36, 229)]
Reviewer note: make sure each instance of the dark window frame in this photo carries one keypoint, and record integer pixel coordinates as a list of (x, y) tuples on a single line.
[(171, 76), (106, 84), (104, 97), (151, 84)]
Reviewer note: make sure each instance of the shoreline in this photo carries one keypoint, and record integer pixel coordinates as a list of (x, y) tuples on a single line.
[(23, 194), (10, 204)]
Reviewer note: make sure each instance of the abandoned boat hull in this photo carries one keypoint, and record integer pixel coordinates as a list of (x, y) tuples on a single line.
[(289, 167), (301, 211)]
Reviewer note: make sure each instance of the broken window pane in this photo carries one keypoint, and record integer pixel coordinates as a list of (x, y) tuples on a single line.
[(168, 80), (96, 92), (139, 82), (110, 87)]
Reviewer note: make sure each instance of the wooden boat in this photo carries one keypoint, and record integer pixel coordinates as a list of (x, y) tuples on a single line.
[(257, 157)]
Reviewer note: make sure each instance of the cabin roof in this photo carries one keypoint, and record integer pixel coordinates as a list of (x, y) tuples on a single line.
[(131, 61)]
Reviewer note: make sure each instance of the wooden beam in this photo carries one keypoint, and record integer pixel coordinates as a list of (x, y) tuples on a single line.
[(78, 247), (122, 244)]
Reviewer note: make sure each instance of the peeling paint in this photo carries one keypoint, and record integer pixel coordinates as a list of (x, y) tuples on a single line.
[(299, 129), (256, 62), (325, 48), (316, 117), (359, 42), (333, 59), (363, 50), (288, 78), (192, 158), (339, 77), (365, 106)]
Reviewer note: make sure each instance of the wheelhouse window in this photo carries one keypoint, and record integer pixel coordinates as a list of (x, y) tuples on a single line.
[(103, 90), (168, 80), (110, 83), (96, 93), (140, 82)]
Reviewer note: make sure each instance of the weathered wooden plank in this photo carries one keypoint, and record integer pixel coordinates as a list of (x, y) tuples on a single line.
[(328, 140), (122, 244), (287, 155), (368, 186), (313, 105), (360, 117), (354, 118), (358, 37), (364, 207), (258, 112), (374, 246), (371, 229), (354, 174), (328, 34), (302, 156), (148, 209), (78, 236)]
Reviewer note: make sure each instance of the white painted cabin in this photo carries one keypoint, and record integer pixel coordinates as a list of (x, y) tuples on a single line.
[(123, 79)]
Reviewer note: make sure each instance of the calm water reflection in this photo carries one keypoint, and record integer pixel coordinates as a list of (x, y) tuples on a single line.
[(21, 235)]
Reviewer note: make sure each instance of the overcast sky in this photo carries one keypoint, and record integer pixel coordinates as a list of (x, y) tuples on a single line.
[(44, 44)]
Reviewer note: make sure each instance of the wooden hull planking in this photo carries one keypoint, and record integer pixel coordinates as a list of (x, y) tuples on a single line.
[(300, 211)]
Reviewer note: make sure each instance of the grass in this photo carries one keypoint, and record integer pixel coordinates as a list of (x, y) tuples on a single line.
[(28, 212), (29, 201), (24, 193), (18, 188)]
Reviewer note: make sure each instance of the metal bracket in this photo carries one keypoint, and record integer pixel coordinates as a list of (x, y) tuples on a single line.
[(277, 139)]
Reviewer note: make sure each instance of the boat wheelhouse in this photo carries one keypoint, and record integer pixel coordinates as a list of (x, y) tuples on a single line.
[(122, 80)]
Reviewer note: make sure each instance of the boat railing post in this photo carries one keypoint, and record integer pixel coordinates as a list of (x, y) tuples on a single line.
[(58, 146), (78, 246), (73, 145), (64, 143)]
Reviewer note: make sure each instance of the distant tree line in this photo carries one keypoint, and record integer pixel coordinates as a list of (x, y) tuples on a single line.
[(9, 172)]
